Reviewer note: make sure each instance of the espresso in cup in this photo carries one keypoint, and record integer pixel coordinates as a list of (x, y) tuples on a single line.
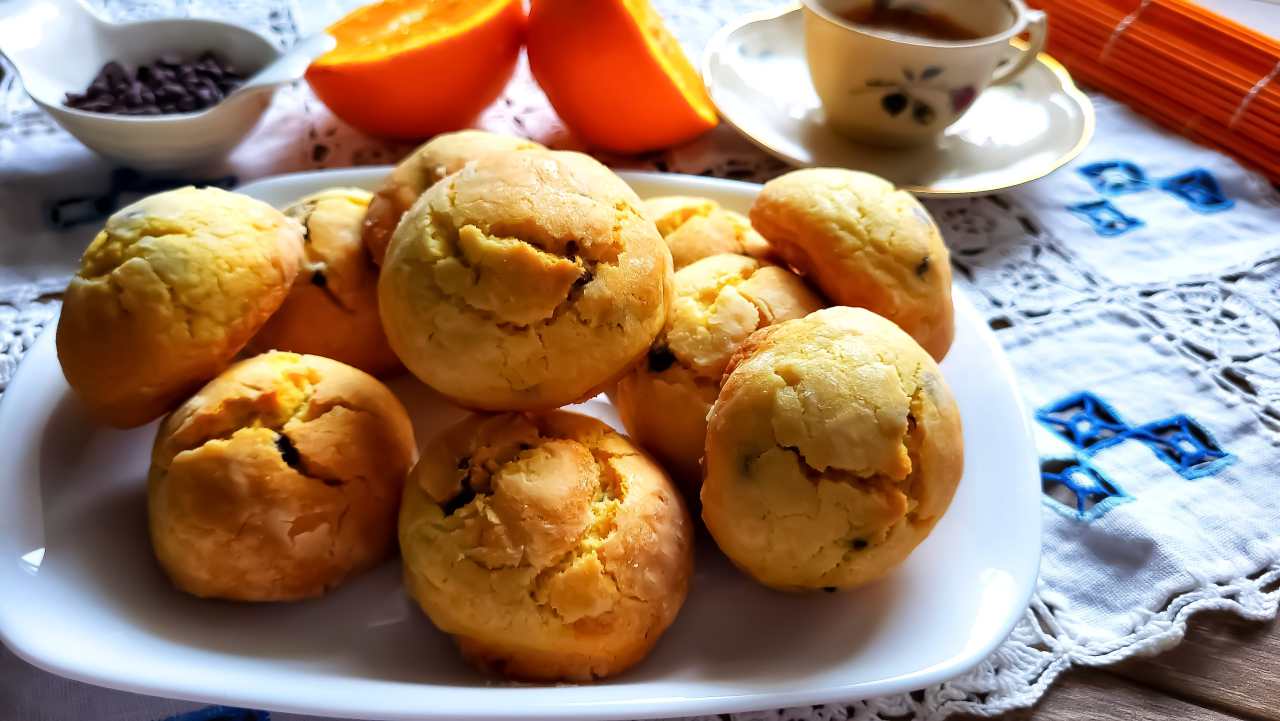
[(899, 72), (909, 20)]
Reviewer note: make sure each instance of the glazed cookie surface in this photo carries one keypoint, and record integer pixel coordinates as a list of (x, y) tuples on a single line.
[(720, 300), (863, 243), (834, 447), (547, 545), (332, 310), (278, 480), (524, 281), (697, 228), (167, 294), (424, 167)]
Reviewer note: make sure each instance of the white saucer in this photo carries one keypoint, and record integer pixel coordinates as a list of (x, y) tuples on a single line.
[(756, 74)]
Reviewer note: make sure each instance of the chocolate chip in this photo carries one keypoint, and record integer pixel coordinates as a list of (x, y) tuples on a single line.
[(167, 85), (660, 358), (114, 73), (318, 279), (171, 91), (923, 267), (288, 452), (859, 544), (465, 496)]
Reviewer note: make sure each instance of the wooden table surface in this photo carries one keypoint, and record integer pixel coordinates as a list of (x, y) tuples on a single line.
[(1225, 669)]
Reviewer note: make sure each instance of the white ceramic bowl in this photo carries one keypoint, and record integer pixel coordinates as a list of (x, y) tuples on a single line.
[(58, 46)]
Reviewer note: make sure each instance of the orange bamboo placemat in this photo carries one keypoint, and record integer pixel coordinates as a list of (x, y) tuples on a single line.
[(1186, 67)]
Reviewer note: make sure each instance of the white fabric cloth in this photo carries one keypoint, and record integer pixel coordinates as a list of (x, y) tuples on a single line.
[(1137, 292)]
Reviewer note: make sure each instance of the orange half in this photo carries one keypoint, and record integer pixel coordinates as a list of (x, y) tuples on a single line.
[(615, 75), (414, 68)]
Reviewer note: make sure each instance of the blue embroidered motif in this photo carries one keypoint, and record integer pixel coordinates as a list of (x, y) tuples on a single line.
[(1185, 445), (1094, 493), (1089, 424), (1107, 220), (1115, 177), (221, 713), (1083, 420), (1199, 189)]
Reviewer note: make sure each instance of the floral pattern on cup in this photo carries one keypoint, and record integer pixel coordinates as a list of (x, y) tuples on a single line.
[(898, 96)]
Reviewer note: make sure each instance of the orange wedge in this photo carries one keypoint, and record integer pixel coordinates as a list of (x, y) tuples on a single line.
[(615, 75), (414, 68)]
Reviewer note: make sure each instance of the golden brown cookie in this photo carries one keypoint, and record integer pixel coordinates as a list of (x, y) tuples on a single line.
[(833, 449), (524, 281), (332, 310), (424, 167), (697, 228), (547, 545), (720, 301), (167, 294), (279, 480), (864, 244)]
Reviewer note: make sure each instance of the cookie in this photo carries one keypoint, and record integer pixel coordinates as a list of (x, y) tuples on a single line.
[(832, 450), (697, 228), (167, 294), (424, 167), (547, 545), (279, 480), (332, 310), (863, 243), (525, 281), (720, 301)]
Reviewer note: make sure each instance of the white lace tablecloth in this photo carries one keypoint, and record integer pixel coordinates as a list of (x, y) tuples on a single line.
[(1137, 292)]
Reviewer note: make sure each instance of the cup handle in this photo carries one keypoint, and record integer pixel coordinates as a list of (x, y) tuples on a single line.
[(1037, 27)]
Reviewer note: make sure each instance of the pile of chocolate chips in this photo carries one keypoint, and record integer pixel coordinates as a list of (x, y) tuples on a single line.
[(168, 85)]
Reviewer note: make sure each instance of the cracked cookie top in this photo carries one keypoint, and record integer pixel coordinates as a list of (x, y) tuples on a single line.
[(332, 310), (278, 479), (166, 295), (863, 243), (720, 300), (547, 544), (524, 281), (696, 228), (424, 167), (832, 450)]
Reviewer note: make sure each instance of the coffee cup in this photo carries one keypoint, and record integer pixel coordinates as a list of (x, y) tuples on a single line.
[(897, 73)]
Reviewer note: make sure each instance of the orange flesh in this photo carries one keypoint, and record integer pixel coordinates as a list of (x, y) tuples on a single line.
[(666, 50), (394, 26)]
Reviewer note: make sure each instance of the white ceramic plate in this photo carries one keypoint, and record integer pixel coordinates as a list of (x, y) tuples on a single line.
[(81, 596), (756, 73)]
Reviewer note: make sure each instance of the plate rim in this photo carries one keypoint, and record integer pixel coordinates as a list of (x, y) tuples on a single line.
[(715, 701), (1069, 88)]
